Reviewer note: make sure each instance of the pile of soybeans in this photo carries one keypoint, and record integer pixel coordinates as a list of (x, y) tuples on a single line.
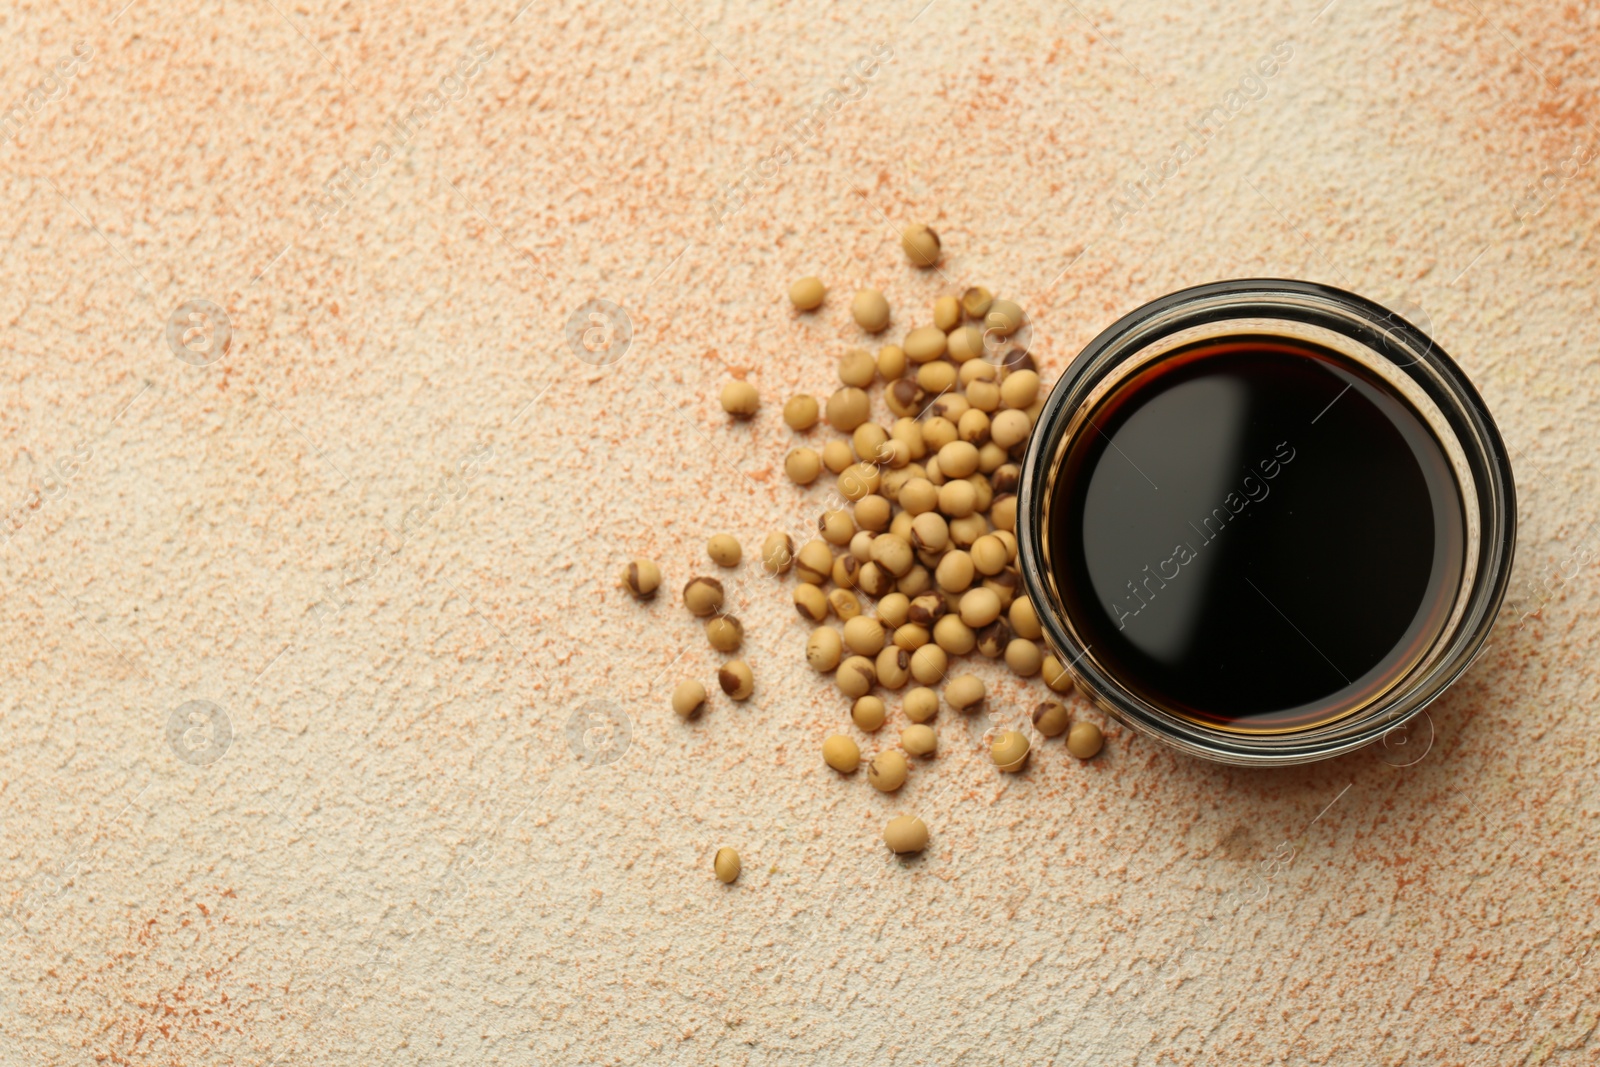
[(915, 560)]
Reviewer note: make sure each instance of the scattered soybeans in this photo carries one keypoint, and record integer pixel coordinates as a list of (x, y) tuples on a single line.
[(1010, 750), (801, 412), (887, 771), (1084, 740), (919, 739), (870, 310), (904, 834), (688, 697), (1050, 718), (841, 753), (921, 245), (868, 713), (724, 550), (726, 864), (740, 399), (725, 633), (702, 596), (806, 293), (641, 578), (916, 548), (736, 679)]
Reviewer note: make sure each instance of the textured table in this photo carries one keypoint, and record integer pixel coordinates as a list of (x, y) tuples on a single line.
[(295, 625)]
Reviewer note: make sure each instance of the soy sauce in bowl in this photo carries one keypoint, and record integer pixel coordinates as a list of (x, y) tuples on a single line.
[(1257, 533)]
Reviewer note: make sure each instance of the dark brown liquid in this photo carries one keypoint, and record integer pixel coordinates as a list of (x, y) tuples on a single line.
[(1255, 534)]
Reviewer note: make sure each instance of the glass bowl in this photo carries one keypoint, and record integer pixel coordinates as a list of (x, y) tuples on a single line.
[(1382, 343)]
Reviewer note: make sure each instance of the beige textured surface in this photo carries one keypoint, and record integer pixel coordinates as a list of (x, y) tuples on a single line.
[(400, 860)]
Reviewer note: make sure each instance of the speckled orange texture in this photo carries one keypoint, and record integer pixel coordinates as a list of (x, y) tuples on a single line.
[(400, 859)]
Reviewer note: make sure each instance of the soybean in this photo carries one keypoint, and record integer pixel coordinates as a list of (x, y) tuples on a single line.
[(810, 602), (920, 704), (989, 555), (856, 676), (845, 604), (993, 639), (726, 864), (864, 635), (1084, 740), (848, 408), (1004, 318), (777, 553), (1015, 358), (806, 293), (965, 692), (975, 302), (965, 531), (801, 412), (904, 834), (1024, 657), (1010, 428), (928, 664), (841, 753), (870, 310), (859, 480), (868, 713), (958, 499), (1024, 620), (921, 245), (966, 343), (887, 771), (724, 550), (935, 378), (1020, 389), (1055, 675), (894, 609), (953, 635), (891, 362), (688, 697), (641, 578), (740, 399), (925, 344), (955, 572), (893, 666), (911, 637), (823, 649), (905, 398), (893, 554), (836, 456), (814, 563), (725, 633), (930, 532), (873, 512), (803, 466), (979, 607), (702, 596), (874, 580), (736, 679), (1010, 750), (858, 368), (919, 740), (1050, 718)]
